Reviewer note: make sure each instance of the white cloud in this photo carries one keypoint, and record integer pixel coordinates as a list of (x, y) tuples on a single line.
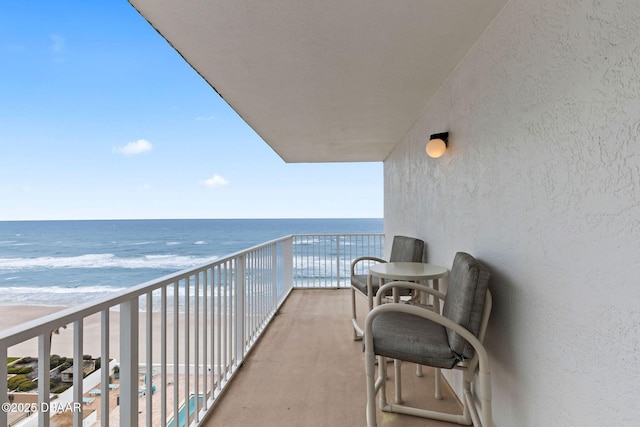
[(137, 147), (57, 43), (215, 181)]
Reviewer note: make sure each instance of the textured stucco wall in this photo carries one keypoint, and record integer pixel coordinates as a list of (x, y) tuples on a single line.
[(541, 182)]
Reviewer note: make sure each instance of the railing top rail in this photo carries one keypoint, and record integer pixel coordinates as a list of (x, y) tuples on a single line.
[(335, 234)]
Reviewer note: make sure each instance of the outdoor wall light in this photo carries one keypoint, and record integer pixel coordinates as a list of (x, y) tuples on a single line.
[(437, 144)]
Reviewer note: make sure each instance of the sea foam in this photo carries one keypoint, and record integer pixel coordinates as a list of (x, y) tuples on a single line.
[(176, 262)]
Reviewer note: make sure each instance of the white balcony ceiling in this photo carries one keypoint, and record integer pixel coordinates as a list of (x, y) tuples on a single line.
[(324, 81)]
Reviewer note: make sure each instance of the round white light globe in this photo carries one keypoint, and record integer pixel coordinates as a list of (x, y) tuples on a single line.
[(436, 148)]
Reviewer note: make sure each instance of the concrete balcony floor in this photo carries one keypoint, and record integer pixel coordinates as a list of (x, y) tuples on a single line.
[(307, 371)]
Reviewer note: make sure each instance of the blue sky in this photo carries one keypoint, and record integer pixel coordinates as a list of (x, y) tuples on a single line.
[(101, 119)]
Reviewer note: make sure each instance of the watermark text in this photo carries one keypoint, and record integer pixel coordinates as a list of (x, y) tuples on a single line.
[(52, 407)]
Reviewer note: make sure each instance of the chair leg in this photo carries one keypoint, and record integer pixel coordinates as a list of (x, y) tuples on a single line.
[(438, 385), (357, 331), (381, 383), (397, 364), (370, 294), (369, 358), (483, 388), (484, 382)]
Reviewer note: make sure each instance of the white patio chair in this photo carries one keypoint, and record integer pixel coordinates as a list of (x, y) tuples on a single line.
[(408, 249), (452, 340)]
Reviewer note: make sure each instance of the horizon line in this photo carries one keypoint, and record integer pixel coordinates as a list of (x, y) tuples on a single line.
[(186, 219)]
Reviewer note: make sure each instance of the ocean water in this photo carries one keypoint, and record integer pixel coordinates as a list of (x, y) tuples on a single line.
[(71, 262)]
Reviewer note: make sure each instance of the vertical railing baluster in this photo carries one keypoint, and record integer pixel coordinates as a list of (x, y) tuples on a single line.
[(44, 354), (330, 261), (176, 349), (322, 260), (259, 274), (78, 370), (307, 273), (214, 383), (225, 319), (274, 274), (301, 262), (129, 363), (213, 297), (205, 348), (238, 336), (4, 395), (163, 355), (261, 284), (287, 260), (255, 278), (248, 283), (105, 367), (241, 309), (225, 329), (148, 383), (219, 330), (255, 274), (320, 270), (228, 322), (196, 347), (252, 279), (187, 356), (338, 262)]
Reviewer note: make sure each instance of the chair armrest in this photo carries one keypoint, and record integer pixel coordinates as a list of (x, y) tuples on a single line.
[(429, 315), (407, 285), (363, 258)]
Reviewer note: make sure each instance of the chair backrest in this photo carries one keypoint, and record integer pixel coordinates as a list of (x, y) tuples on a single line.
[(465, 298), (406, 249)]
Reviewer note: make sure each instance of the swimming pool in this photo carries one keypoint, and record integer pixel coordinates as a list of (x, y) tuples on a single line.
[(182, 418)]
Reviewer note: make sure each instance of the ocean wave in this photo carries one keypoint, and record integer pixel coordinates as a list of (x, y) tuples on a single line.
[(142, 243), (174, 262)]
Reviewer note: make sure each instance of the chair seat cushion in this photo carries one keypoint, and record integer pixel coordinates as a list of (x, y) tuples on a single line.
[(359, 281), (412, 339)]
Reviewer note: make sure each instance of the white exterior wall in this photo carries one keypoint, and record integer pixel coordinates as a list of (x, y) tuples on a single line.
[(541, 182)]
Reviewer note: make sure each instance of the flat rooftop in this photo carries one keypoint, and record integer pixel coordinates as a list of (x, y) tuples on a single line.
[(306, 370)]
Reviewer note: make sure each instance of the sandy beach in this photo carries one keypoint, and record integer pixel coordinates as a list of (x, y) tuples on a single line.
[(62, 342)]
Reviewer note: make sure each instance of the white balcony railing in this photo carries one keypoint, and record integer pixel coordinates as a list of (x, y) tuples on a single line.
[(181, 337)]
